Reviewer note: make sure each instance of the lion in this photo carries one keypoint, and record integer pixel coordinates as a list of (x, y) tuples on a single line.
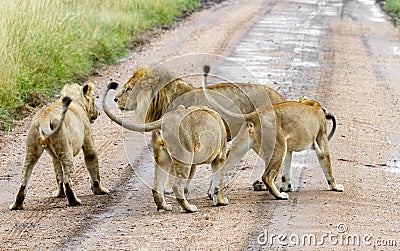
[(62, 129), (297, 126), (150, 92), (201, 137)]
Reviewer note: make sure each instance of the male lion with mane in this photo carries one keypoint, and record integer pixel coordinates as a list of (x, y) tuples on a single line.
[(62, 129), (183, 138)]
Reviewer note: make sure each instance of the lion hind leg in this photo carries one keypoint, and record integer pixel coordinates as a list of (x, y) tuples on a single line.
[(189, 181), (169, 183), (182, 172), (241, 144), (68, 167), (32, 156), (325, 163), (271, 172)]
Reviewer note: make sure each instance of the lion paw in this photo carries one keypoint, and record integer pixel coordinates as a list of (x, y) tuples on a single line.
[(223, 202), (14, 206), (166, 207), (219, 202), (59, 194), (209, 195), (76, 202), (100, 191), (168, 191), (191, 209), (338, 188), (258, 185), (286, 187), (282, 196)]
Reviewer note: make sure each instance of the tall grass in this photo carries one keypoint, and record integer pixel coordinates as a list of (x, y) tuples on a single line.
[(393, 6), (45, 44)]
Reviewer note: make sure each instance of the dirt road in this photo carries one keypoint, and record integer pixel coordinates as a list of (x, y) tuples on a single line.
[(345, 54)]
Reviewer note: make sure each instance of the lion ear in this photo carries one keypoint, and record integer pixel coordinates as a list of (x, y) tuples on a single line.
[(88, 88)]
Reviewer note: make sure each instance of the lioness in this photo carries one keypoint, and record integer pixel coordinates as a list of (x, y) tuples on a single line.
[(297, 126), (62, 130), (150, 92), (183, 138)]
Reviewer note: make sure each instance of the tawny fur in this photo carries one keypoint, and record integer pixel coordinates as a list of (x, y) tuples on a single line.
[(182, 139), (274, 132), (73, 134), (151, 92)]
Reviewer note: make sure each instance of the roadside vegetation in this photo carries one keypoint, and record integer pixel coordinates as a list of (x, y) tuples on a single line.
[(45, 44), (393, 7)]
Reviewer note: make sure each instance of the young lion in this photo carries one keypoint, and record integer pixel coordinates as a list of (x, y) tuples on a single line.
[(62, 130), (183, 139), (275, 132)]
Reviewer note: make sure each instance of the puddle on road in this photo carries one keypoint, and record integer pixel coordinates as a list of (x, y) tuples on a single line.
[(377, 15), (392, 166)]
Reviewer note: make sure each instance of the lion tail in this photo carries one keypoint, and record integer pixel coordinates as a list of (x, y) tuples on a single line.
[(45, 128), (330, 116)]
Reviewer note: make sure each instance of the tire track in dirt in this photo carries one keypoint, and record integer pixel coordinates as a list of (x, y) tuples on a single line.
[(43, 225), (127, 219), (354, 87), (31, 218), (284, 47)]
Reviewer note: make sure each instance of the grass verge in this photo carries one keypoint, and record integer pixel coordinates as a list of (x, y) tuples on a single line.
[(45, 44), (393, 7)]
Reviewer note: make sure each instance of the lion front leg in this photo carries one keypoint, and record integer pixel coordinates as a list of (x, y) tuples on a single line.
[(163, 159), (273, 168), (160, 178), (286, 185), (217, 167), (163, 171), (92, 165), (60, 192)]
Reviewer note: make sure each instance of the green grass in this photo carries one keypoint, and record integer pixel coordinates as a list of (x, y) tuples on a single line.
[(45, 44), (393, 6)]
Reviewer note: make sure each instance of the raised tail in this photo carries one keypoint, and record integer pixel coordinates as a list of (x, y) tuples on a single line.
[(213, 102), (45, 128)]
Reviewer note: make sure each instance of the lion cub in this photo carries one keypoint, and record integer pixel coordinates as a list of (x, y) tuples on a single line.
[(62, 130), (274, 132)]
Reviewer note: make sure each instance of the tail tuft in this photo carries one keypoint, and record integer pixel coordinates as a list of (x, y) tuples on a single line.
[(206, 69), (66, 101), (329, 116), (112, 85)]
